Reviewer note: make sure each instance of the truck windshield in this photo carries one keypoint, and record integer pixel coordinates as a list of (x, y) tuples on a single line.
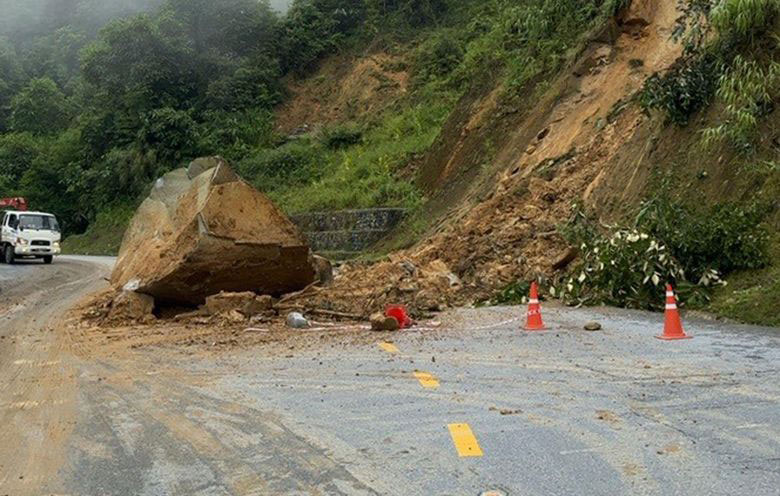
[(39, 222)]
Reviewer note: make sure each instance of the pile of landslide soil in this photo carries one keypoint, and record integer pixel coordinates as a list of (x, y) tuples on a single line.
[(586, 132)]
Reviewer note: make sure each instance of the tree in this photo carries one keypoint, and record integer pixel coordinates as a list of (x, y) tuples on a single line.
[(52, 181), (11, 76), (255, 84), (229, 27), (137, 68), (40, 108), (307, 34), (17, 153), (170, 134), (56, 55), (413, 13)]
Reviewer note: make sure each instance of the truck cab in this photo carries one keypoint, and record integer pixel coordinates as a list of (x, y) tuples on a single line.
[(29, 235)]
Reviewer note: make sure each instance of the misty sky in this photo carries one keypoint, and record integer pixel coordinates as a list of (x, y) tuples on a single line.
[(281, 5), (18, 16)]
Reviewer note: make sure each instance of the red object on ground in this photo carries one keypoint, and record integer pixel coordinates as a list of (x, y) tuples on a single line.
[(399, 313), (534, 320), (14, 203), (672, 325)]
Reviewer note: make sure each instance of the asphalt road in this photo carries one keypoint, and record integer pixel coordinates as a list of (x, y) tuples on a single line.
[(472, 405)]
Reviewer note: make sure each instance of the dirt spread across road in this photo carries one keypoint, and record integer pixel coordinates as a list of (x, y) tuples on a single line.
[(37, 374), (464, 405)]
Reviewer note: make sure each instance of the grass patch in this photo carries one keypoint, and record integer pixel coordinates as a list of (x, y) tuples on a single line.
[(310, 175), (752, 296), (104, 236)]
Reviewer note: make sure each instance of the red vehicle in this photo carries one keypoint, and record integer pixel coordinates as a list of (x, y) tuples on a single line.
[(19, 204)]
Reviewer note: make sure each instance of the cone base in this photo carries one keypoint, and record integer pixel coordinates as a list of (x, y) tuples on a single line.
[(673, 338), (536, 328)]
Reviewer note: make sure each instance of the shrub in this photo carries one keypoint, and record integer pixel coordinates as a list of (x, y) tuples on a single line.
[(746, 89), (714, 32), (726, 237), (254, 85), (688, 87), (170, 133), (342, 136), (669, 243), (743, 21), (235, 134), (437, 58), (737, 22), (515, 293), (625, 268), (529, 39)]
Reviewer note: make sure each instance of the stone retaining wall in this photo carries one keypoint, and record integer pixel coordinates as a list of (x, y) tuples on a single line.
[(347, 233)]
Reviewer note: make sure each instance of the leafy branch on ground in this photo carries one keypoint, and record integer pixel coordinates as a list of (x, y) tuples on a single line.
[(669, 242)]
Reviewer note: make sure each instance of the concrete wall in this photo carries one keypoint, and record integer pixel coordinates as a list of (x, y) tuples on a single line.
[(347, 233)]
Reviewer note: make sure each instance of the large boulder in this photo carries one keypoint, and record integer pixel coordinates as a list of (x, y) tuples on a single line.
[(203, 230)]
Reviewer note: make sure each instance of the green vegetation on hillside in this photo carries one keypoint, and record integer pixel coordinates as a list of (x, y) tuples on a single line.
[(90, 115), (98, 98), (725, 87)]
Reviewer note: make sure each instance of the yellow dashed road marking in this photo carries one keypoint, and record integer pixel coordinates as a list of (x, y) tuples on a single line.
[(464, 440), (32, 363), (427, 380), (389, 347), (27, 405)]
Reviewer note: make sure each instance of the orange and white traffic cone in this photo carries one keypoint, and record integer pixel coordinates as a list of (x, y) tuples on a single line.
[(534, 321), (672, 326)]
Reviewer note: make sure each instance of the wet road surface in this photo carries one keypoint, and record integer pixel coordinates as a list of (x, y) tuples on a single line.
[(471, 405)]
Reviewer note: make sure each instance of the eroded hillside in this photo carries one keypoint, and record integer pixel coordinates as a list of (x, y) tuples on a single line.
[(506, 172)]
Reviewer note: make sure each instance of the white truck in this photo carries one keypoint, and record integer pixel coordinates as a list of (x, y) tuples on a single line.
[(29, 235)]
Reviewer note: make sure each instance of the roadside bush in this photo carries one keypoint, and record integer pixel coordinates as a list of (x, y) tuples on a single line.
[(669, 243), (515, 293), (625, 268), (725, 238)]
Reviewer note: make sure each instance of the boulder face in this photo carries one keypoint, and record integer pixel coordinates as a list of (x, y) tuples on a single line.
[(203, 230)]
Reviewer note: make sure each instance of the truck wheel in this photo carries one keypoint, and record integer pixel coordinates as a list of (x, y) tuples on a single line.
[(47, 259), (10, 256)]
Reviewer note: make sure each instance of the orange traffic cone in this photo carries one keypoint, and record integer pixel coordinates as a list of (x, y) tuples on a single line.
[(534, 322), (672, 326)]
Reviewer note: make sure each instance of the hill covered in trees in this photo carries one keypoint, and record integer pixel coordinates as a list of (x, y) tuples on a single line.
[(513, 130), (98, 98)]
